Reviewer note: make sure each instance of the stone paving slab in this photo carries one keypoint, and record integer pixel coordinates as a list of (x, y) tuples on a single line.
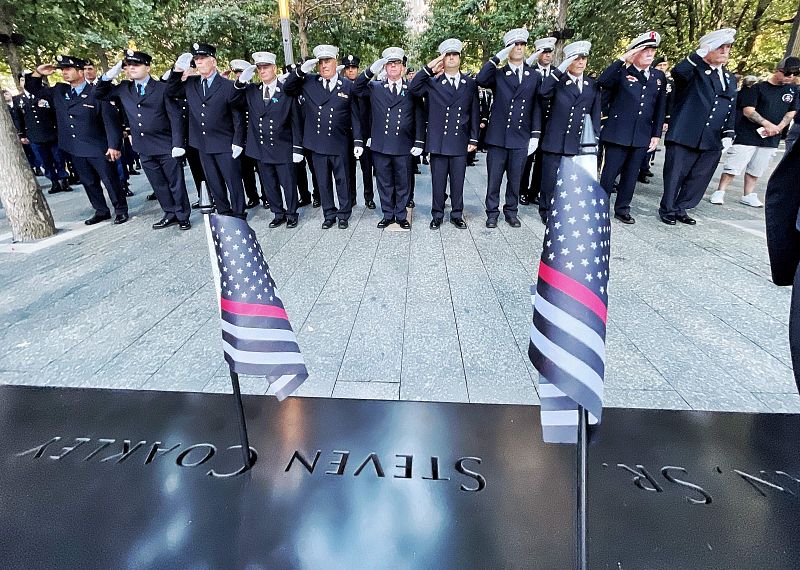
[(694, 319)]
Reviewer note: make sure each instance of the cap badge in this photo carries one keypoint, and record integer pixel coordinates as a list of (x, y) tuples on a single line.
[(196, 46)]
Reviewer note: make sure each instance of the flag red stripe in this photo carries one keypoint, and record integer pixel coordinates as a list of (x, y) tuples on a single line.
[(576, 290), (253, 310)]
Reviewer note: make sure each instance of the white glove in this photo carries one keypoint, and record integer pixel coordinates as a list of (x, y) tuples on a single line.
[(178, 152), (183, 62), (376, 67), (534, 58), (703, 50), (566, 63), (416, 151), (503, 53), (297, 157), (726, 143), (339, 68), (236, 150), (282, 77), (309, 65), (533, 144), (369, 142), (247, 74), (166, 75), (358, 151), (113, 72)]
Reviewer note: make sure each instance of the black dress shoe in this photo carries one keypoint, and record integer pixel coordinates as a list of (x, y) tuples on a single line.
[(405, 224), (491, 223), (614, 188), (38, 171), (384, 223), (120, 219), (97, 218), (252, 203), (291, 223), (685, 219), (195, 205), (459, 223), (277, 222), (187, 225), (265, 204), (411, 204), (647, 172), (54, 188), (151, 196), (305, 202), (642, 178), (328, 224), (133, 172), (435, 224), (315, 203), (370, 204), (524, 200), (417, 170), (128, 193), (669, 220), (543, 218), (513, 222), (343, 224), (535, 200), (65, 187), (164, 223), (625, 218)]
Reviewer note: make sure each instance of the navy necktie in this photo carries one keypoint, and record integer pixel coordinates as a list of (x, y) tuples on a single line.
[(394, 89), (72, 93), (205, 86), (141, 90)]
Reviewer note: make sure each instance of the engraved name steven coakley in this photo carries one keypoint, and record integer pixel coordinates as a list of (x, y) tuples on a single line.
[(336, 463), (764, 483)]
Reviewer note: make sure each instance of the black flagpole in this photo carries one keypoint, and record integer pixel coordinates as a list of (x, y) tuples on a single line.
[(581, 490), (206, 208), (242, 422)]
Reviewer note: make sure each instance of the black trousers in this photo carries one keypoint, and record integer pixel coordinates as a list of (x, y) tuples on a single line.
[(223, 176), (365, 163), (499, 161), (91, 171), (393, 174), (314, 182), (249, 169), (51, 160), (531, 176), (442, 168), (330, 167), (625, 162), (687, 173), (165, 175), (301, 180), (196, 167), (550, 163), (413, 164), (276, 177)]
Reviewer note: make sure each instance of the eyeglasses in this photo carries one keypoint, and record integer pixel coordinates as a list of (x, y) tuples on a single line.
[(520, 43)]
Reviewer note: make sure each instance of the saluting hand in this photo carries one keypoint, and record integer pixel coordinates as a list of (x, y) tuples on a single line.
[(703, 50), (309, 65), (183, 62), (247, 74), (628, 55), (534, 57), (502, 55), (46, 69), (437, 65), (566, 63), (377, 66), (113, 72)]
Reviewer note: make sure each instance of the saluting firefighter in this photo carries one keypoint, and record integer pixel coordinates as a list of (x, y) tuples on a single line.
[(330, 118), (510, 135), (542, 61), (214, 125), (453, 115), (249, 164), (157, 131), (571, 95), (273, 137), (701, 125), (637, 100), (89, 130), (37, 128), (397, 133)]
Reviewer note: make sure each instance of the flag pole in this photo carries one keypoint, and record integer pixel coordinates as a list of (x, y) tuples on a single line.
[(207, 209), (580, 534)]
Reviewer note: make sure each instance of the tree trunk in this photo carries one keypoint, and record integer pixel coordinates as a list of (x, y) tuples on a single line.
[(25, 205), (12, 51), (302, 36), (561, 22)]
